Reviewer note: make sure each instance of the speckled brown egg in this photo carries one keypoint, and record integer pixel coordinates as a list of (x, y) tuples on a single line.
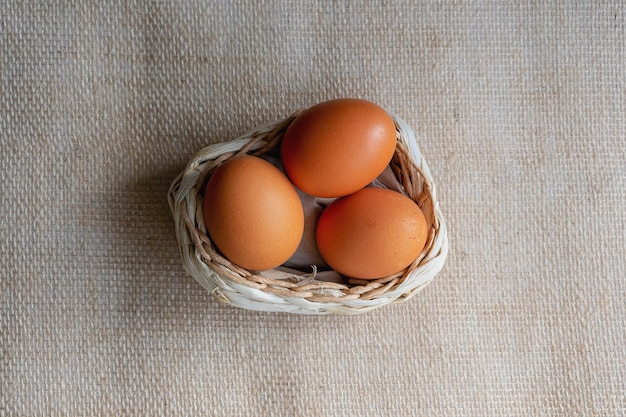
[(372, 233), (253, 213), (338, 147)]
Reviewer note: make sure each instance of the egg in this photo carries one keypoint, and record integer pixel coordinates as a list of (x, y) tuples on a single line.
[(338, 147), (372, 233), (253, 213)]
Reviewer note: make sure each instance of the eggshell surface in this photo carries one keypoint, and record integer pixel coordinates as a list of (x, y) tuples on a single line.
[(372, 233), (253, 213), (338, 147)]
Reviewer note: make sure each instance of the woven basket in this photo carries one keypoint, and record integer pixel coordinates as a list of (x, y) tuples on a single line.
[(292, 291)]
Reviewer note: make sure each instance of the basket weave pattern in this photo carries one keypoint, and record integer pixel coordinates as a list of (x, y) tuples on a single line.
[(295, 291)]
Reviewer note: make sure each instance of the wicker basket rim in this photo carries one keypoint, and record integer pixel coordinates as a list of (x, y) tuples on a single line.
[(301, 292)]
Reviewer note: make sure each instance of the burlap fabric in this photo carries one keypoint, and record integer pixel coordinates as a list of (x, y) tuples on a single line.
[(520, 111)]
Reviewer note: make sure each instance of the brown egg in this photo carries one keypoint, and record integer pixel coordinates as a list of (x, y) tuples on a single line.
[(253, 213), (338, 147), (372, 233)]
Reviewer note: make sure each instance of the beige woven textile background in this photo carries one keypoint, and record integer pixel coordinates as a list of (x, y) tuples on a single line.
[(520, 110)]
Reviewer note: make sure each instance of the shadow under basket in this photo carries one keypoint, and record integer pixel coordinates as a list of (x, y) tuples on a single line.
[(286, 290)]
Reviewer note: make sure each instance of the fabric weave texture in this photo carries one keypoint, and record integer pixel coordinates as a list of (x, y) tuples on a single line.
[(520, 110)]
